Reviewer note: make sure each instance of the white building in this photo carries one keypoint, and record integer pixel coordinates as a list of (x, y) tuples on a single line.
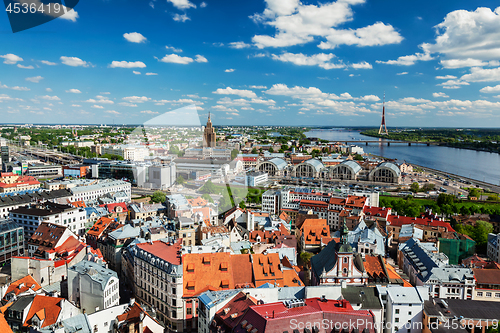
[(98, 188), (30, 217), (403, 308), (130, 153), (158, 280), (256, 178), (93, 287)]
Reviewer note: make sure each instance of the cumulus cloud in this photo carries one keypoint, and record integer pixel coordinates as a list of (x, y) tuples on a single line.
[(173, 49), (322, 60), (182, 4), (257, 87), (478, 74), (176, 59), (74, 91), (489, 89), (402, 73), (446, 77), (149, 112), (100, 100), (11, 59), (408, 60), (134, 37), (362, 65), (239, 45), (25, 67), (50, 98), (439, 94), (136, 72), (136, 99), (74, 62), (297, 23), (149, 74), (95, 106), (180, 17), (34, 79), (200, 58), (238, 92), (127, 64), (229, 70), (49, 63), (112, 112)]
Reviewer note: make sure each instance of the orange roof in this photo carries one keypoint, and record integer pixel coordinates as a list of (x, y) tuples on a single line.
[(205, 212), (46, 308), (133, 315), (206, 271), (313, 230), (163, 251), (242, 270), (80, 203), (197, 202), (4, 327), (99, 227), (373, 267), (22, 285), (355, 201)]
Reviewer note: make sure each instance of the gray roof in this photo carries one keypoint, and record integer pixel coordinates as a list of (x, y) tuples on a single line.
[(366, 296), (326, 259), (33, 197), (21, 303), (77, 324), (278, 162), (287, 293), (96, 272), (212, 298), (404, 295), (315, 163), (364, 235), (456, 308), (390, 166), (422, 259), (125, 232), (352, 165)]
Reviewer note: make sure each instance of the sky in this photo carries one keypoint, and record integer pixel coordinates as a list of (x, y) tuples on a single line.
[(272, 62)]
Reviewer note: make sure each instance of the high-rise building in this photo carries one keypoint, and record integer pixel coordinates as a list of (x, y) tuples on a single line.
[(209, 135)]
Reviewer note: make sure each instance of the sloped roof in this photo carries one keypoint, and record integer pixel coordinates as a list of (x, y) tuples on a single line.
[(487, 276), (326, 259), (46, 307), (22, 285)]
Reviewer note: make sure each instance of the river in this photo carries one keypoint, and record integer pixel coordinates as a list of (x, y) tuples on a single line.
[(477, 165)]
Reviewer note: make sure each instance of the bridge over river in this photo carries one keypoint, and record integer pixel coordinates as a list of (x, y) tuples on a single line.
[(391, 142)]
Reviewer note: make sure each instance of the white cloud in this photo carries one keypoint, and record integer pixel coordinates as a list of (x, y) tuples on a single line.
[(127, 64), (446, 77), (136, 99), (34, 79), (413, 100), (468, 35), (112, 112), (132, 105), (74, 61), (50, 98), (203, 5), (48, 89), (200, 58), (181, 18), (460, 63), (134, 37), (11, 59), (239, 45), (489, 89), (49, 63), (20, 88), (478, 74), (136, 72), (402, 73), (149, 74), (297, 23), (176, 59), (238, 92), (229, 70), (370, 98), (182, 4), (408, 60), (453, 84), (100, 100), (173, 49), (76, 105), (440, 94), (95, 106), (149, 112), (321, 59), (257, 87), (74, 91), (25, 67), (362, 65)]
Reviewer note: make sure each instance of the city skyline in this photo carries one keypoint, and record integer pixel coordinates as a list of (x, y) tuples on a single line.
[(271, 62)]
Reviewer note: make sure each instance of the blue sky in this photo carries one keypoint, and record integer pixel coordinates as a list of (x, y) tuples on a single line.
[(274, 62)]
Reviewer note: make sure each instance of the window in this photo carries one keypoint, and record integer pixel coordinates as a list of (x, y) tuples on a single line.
[(189, 311), (173, 291), (409, 313), (488, 294), (479, 294), (497, 295), (397, 320), (397, 311)]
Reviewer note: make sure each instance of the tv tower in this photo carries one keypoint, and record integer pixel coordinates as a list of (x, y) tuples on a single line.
[(383, 127)]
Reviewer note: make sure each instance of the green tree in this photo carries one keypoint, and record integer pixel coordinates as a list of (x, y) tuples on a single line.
[(414, 187), (474, 192), (445, 199), (255, 151), (358, 157), (306, 258), (208, 188), (207, 197), (242, 205), (464, 210), (180, 180), (271, 150), (428, 187), (481, 231), (234, 153), (158, 196)]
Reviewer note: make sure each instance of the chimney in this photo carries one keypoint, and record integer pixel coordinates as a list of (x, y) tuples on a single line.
[(247, 296)]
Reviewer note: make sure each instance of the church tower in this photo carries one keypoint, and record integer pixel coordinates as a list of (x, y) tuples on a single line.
[(209, 135)]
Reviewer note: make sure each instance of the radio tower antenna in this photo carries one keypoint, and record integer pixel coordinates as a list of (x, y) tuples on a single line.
[(383, 127)]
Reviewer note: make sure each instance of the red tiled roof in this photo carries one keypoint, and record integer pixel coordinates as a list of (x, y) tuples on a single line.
[(22, 285), (377, 211), (487, 276), (111, 207), (46, 308), (318, 203), (314, 230), (99, 227), (167, 252), (398, 221)]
